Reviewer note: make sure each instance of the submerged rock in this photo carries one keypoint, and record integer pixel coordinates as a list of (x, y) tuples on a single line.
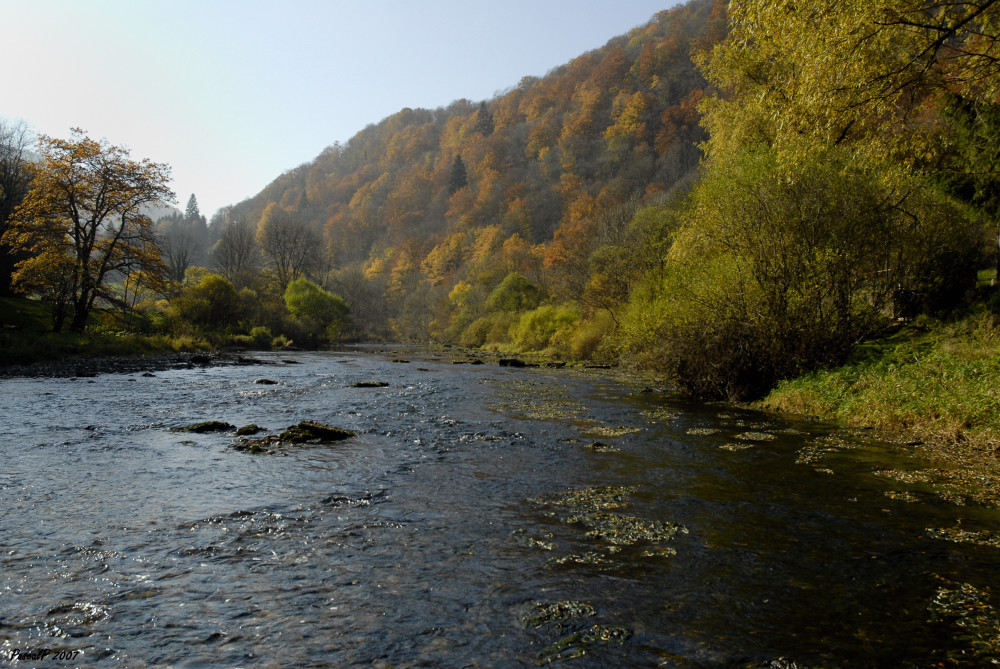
[(601, 447), (369, 384), (543, 613), (575, 645), (207, 426)]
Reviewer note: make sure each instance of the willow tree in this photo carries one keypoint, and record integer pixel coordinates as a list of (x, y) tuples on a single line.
[(807, 75), (872, 78), (82, 225)]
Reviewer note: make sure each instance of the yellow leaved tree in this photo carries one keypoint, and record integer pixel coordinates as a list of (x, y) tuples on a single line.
[(823, 73), (82, 225)]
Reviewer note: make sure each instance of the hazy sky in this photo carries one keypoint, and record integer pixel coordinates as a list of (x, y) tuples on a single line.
[(231, 93)]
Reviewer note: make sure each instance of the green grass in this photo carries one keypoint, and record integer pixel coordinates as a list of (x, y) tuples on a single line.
[(18, 313), (937, 382), (26, 336)]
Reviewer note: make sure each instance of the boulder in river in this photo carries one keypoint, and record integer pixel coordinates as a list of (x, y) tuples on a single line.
[(207, 426), (309, 431), (306, 432)]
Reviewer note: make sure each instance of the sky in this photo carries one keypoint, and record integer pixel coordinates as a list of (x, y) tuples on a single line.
[(232, 93)]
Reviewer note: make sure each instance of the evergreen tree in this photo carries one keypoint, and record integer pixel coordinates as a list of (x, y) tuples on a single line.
[(484, 120), (191, 213), (459, 178)]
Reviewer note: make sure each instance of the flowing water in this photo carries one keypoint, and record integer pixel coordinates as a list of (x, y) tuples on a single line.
[(482, 516)]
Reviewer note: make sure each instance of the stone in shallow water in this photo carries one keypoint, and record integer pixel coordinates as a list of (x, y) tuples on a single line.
[(575, 645), (306, 432), (207, 426), (309, 431), (543, 613)]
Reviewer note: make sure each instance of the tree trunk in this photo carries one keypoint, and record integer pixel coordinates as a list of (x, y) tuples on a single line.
[(81, 310)]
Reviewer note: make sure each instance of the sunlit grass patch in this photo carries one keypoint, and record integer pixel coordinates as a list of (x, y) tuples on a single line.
[(939, 384)]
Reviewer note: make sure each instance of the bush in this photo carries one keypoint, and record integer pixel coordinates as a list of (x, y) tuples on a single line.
[(515, 293), (588, 339), (323, 314), (261, 337), (475, 334), (536, 329), (211, 304)]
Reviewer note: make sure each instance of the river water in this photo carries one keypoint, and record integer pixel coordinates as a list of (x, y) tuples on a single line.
[(483, 516)]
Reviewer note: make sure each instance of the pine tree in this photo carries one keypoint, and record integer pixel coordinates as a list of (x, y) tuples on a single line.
[(484, 120), (458, 179), (191, 213)]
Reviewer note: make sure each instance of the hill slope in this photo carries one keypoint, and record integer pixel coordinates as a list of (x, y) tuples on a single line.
[(424, 199)]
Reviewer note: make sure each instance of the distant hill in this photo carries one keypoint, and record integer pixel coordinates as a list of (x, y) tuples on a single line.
[(409, 198)]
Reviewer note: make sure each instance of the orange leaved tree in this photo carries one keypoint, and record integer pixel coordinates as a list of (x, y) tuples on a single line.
[(82, 224)]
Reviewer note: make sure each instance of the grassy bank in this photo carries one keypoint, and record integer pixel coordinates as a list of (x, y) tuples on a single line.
[(932, 382), (26, 337)]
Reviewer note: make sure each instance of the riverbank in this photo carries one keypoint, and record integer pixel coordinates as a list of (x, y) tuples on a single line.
[(123, 364), (932, 385)]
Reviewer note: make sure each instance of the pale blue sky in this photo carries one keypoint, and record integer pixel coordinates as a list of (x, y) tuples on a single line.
[(231, 93)]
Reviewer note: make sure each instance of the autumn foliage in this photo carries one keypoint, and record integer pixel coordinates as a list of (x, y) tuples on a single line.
[(426, 199)]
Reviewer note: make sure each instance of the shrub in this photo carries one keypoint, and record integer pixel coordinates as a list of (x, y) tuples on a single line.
[(323, 314), (588, 338), (210, 304), (535, 329), (515, 293), (475, 334)]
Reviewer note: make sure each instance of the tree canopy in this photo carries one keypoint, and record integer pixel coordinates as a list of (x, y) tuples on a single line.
[(83, 221)]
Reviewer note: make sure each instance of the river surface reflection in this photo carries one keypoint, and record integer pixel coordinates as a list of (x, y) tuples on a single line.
[(483, 516)]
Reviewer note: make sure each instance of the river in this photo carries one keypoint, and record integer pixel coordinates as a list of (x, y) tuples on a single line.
[(483, 516)]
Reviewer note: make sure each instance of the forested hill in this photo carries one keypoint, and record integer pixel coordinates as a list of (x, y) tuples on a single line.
[(425, 199)]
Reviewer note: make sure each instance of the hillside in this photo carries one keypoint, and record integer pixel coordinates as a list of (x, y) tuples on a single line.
[(426, 199)]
